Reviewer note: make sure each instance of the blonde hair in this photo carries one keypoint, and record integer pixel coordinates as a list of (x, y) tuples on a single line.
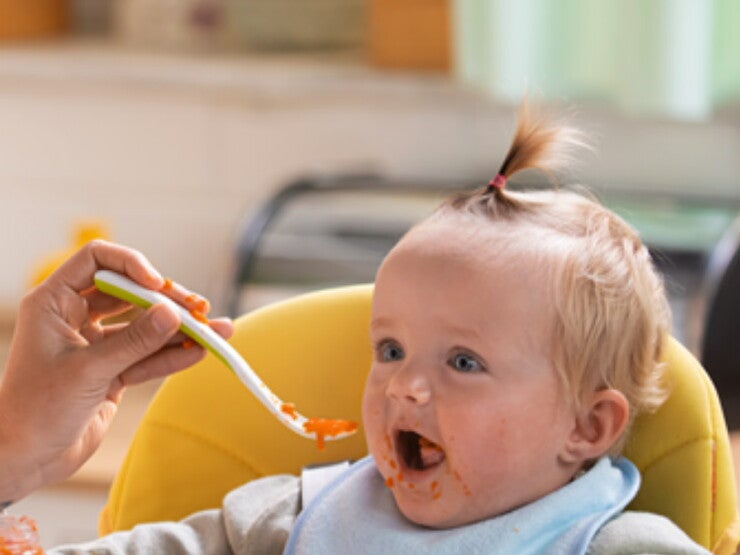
[(611, 310)]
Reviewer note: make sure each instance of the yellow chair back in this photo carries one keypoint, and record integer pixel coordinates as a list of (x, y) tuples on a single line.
[(204, 433)]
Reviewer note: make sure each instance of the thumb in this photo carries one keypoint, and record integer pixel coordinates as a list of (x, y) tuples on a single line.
[(137, 341)]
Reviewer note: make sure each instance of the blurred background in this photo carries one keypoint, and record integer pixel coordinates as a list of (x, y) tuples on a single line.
[(255, 149)]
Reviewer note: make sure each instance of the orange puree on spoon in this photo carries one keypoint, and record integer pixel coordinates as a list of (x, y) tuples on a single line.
[(323, 427), (289, 409)]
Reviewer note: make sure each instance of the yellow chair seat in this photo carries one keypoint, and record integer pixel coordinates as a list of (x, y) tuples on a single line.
[(204, 434)]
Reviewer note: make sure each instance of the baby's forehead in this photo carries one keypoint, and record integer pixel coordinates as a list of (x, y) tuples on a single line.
[(477, 240), (489, 260)]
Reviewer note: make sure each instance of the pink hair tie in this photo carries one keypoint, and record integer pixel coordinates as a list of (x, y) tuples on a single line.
[(498, 182)]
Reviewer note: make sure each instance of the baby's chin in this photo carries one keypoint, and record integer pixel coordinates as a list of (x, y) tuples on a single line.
[(428, 517), (437, 517), (448, 513)]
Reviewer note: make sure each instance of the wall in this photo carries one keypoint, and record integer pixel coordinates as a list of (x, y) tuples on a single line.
[(174, 151)]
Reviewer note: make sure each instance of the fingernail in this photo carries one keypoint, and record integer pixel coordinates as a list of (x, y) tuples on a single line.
[(151, 272), (155, 277), (164, 320)]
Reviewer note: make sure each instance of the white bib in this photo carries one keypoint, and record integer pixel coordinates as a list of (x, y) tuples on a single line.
[(356, 514)]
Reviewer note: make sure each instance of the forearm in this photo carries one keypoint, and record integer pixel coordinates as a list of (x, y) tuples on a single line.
[(18, 475)]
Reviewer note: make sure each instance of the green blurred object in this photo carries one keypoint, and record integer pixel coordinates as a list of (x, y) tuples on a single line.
[(676, 226), (666, 58), (296, 24)]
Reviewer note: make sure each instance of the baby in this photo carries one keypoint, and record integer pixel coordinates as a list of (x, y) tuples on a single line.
[(516, 335)]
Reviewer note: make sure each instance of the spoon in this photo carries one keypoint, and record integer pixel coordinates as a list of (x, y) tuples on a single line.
[(319, 429)]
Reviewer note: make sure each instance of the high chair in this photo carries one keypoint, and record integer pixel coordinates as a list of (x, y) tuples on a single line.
[(205, 434)]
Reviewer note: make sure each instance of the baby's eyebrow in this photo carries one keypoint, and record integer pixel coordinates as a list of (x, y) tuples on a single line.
[(469, 333), (380, 321)]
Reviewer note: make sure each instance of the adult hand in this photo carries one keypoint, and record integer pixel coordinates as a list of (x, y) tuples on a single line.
[(66, 372)]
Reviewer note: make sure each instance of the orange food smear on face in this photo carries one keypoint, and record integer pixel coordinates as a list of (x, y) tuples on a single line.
[(330, 427), (188, 344), (393, 464), (434, 485), (289, 409), (389, 483)]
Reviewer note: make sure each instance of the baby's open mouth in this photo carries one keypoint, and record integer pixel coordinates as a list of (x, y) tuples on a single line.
[(418, 452)]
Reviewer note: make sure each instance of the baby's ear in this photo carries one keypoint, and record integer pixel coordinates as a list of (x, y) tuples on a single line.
[(598, 424)]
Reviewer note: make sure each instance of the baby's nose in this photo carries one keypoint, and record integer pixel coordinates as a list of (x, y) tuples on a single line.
[(414, 388), (419, 392)]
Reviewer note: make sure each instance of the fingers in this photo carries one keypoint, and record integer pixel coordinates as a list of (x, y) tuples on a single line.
[(77, 272), (92, 331), (69, 290), (161, 364), (135, 342), (100, 305), (222, 326), (77, 275), (112, 329), (185, 297)]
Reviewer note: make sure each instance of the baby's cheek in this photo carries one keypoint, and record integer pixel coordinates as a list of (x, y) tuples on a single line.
[(475, 450), (371, 404), (378, 441)]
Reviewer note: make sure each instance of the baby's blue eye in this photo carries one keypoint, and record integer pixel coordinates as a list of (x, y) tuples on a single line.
[(465, 363), (390, 351)]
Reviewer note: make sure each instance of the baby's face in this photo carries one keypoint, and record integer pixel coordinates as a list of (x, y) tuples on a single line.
[(462, 409)]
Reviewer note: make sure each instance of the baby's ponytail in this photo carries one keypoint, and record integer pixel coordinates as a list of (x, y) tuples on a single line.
[(539, 143)]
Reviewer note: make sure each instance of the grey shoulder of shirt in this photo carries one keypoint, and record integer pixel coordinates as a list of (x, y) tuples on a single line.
[(282, 486), (640, 533)]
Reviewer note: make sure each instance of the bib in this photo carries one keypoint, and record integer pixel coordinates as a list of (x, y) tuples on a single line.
[(356, 514)]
